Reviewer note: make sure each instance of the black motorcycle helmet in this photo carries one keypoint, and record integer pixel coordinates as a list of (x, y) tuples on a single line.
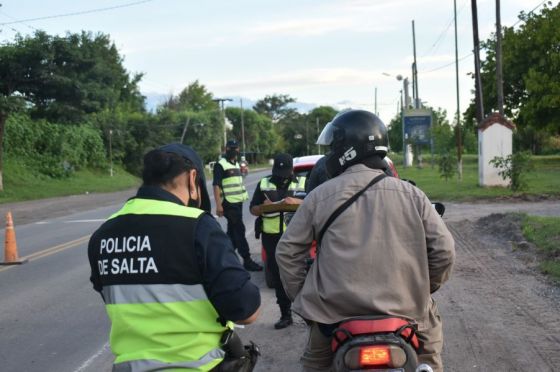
[(353, 135)]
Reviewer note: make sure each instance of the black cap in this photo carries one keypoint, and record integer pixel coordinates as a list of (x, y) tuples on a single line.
[(188, 153), (283, 165), (232, 144)]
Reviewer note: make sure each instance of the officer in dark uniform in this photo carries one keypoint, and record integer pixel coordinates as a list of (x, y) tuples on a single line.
[(229, 195), (283, 186), (168, 274)]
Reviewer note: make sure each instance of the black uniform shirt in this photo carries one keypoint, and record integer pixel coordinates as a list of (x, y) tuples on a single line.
[(226, 282), (258, 195)]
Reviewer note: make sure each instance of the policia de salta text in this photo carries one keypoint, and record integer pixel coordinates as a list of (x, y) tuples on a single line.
[(170, 279)]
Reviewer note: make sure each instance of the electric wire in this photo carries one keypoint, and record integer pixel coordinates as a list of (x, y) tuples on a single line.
[(97, 10), (471, 53)]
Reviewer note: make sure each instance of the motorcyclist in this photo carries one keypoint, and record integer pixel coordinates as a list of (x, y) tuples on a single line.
[(384, 255)]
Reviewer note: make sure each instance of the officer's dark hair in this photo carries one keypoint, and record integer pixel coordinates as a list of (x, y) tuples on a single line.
[(160, 167)]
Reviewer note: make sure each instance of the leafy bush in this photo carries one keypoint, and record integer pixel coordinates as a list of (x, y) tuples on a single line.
[(514, 168), (53, 149), (446, 163)]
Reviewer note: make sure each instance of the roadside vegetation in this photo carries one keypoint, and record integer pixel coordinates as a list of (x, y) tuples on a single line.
[(544, 232), (23, 184), (542, 181)]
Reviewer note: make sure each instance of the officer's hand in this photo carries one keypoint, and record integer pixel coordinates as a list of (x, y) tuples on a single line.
[(219, 211), (266, 201), (291, 201)]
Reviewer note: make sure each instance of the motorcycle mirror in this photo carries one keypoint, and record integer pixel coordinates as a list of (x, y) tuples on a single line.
[(439, 207)]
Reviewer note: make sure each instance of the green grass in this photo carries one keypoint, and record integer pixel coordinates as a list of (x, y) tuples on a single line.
[(544, 232), (24, 183), (542, 180)]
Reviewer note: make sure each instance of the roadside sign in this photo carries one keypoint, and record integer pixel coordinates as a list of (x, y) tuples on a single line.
[(417, 124)]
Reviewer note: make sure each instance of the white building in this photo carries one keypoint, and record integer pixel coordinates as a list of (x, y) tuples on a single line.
[(495, 137)]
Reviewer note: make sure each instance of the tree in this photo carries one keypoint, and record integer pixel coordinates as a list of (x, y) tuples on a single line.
[(531, 61), (63, 78), (195, 97), (274, 106), (260, 134)]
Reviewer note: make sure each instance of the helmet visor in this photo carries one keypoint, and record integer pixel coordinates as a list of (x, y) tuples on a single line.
[(326, 136)]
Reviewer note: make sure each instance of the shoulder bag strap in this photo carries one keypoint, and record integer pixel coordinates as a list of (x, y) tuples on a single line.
[(343, 207)]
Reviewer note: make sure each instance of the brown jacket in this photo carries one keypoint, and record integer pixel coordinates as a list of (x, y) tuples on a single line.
[(384, 255)]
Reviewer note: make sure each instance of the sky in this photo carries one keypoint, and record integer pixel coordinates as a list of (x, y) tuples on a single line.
[(321, 52)]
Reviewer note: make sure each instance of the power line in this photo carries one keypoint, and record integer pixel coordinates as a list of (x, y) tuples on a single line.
[(470, 54), (449, 64), (22, 22), (443, 33), (97, 10)]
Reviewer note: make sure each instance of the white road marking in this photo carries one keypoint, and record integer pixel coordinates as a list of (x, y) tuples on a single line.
[(86, 221), (88, 362)]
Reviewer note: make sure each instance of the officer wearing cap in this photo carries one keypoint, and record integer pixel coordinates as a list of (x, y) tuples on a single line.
[(229, 195), (282, 186), (168, 275)]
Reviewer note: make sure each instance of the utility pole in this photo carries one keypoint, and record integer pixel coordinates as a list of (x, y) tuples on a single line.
[(477, 80), (458, 125), (221, 104), (376, 113), (499, 74), (318, 146), (415, 70), (306, 138), (242, 128), (111, 152), (185, 130)]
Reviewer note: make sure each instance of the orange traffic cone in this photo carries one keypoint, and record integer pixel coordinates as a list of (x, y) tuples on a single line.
[(10, 245)]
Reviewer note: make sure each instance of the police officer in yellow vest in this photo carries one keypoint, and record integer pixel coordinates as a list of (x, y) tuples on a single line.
[(229, 195), (168, 275), (282, 185)]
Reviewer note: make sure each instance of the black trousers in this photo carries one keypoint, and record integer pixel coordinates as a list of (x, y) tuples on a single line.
[(233, 212), (269, 242)]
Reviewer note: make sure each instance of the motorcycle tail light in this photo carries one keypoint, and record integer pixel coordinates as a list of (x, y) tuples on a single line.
[(372, 356), (375, 356)]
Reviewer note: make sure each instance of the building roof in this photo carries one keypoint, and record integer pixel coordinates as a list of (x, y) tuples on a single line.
[(495, 118)]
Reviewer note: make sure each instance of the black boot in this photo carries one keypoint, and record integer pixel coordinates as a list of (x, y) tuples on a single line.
[(251, 265), (285, 320)]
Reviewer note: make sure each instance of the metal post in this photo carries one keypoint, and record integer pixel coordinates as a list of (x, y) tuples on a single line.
[(242, 128), (306, 137), (376, 113), (415, 67), (111, 152), (318, 146)]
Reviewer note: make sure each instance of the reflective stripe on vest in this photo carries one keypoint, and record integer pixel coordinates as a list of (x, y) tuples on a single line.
[(156, 326), (232, 185), (272, 221)]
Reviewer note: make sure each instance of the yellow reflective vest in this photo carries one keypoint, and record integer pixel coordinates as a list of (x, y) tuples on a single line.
[(273, 223), (233, 189)]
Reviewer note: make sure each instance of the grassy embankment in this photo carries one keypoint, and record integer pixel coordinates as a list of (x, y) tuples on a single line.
[(544, 179), (22, 183), (544, 232)]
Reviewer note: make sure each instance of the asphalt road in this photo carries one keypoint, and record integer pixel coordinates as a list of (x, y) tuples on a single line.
[(50, 317), (498, 314)]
